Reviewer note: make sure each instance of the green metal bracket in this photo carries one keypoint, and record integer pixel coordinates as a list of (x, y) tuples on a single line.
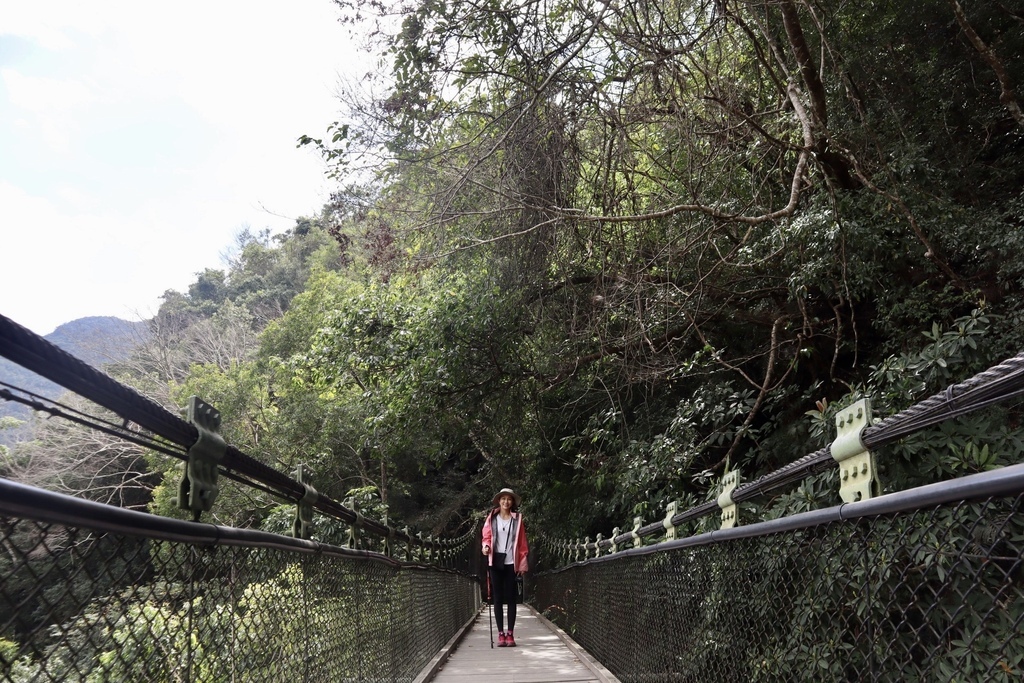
[(858, 479), (670, 528), (304, 510), (615, 545), (637, 523), (388, 542), (198, 488), (353, 528), (730, 510)]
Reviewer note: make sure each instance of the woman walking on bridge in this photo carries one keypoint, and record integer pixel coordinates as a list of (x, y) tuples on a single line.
[(504, 544)]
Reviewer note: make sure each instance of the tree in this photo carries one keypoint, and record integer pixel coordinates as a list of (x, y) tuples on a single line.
[(708, 215)]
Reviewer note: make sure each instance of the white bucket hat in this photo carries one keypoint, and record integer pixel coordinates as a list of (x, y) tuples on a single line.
[(506, 492)]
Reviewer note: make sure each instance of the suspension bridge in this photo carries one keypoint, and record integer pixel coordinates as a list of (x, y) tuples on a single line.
[(918, 585)]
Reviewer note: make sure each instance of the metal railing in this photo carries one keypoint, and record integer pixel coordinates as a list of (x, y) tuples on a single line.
[(921, 585), (196, 442), (90, 592), (998, 384)]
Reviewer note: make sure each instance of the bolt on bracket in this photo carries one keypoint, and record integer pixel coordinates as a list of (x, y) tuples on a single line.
[(858, 479)]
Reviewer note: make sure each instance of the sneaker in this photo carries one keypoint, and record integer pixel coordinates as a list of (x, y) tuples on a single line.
[(502, 642), (509, 640)]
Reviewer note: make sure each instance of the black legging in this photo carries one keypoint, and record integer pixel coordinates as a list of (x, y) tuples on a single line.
[(503, 592)]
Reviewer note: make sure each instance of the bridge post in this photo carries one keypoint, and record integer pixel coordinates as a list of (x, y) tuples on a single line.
[(635, 533), (858, 478), (730, 510), (670, 528), (408, 545), (597, 545), (615, 537)]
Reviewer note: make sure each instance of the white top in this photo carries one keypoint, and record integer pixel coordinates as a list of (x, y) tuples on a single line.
[(503, 540)]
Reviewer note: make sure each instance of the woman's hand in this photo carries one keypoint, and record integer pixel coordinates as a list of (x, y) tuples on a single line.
[(486, 549)]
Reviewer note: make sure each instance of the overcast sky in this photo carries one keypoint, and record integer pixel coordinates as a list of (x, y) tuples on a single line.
[(137, 138)]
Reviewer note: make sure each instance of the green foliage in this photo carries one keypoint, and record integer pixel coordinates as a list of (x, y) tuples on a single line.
[(176, 634), (15, 668), (8, 422), (668, 328)]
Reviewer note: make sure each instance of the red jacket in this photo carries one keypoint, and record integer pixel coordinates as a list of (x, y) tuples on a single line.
[(519, 548)]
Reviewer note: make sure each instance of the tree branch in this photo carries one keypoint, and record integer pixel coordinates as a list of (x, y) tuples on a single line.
[(1007, 96)]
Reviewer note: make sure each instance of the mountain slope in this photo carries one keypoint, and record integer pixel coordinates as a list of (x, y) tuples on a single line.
[(96, 340)]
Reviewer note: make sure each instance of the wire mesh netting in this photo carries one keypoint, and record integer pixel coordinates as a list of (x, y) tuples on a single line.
[(932, 595), (77, 605)]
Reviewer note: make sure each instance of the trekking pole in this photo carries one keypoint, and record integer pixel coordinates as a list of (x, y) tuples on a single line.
[(490, 601)]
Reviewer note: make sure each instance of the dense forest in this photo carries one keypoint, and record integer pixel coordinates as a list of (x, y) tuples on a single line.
[(605, 252)]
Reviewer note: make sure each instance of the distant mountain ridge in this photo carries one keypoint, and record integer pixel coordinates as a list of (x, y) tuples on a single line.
[(96, 340)]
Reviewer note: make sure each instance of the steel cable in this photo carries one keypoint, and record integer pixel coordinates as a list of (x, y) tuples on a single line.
[(32, 352), (999, 383)]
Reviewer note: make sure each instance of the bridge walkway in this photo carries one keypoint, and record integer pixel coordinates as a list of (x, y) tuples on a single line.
[(543, 654)]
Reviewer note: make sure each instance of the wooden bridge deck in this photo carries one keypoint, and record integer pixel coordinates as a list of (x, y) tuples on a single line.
[(543, 654)]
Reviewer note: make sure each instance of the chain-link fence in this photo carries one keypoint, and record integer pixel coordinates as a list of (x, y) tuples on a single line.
[(862, 592), (106, 594)]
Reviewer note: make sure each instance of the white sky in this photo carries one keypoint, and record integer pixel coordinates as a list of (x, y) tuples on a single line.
[(137, 138)]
